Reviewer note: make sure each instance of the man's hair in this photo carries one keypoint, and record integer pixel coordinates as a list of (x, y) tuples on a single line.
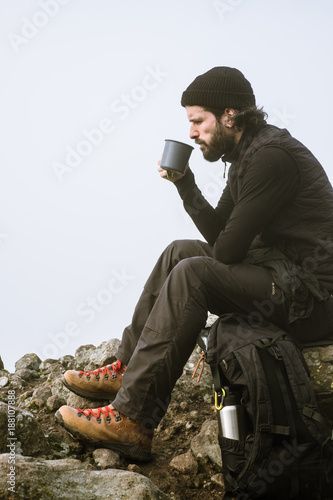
[(249, 118)]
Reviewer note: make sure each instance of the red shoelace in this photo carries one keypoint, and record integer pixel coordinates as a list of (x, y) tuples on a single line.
[(106, 410), (115, 367)]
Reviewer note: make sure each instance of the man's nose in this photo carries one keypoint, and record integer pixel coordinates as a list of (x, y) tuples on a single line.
[(194, 133)]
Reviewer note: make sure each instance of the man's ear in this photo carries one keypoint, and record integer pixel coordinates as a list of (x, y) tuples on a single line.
[(230, 112), (228, 117)]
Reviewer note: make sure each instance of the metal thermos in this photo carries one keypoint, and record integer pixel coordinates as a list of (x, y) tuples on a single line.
[(231, 417)]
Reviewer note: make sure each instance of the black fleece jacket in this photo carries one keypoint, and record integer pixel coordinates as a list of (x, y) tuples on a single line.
[(270, 182)]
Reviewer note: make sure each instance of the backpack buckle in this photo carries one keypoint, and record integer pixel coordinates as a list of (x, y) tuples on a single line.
[(265, 428), (275, 351)]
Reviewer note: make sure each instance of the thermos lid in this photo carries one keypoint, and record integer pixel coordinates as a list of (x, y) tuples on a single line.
[(231, 398)]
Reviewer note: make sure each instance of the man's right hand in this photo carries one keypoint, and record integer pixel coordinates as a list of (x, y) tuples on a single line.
[(171, 176)]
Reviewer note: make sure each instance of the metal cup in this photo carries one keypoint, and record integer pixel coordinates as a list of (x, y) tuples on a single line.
[(175, 156)]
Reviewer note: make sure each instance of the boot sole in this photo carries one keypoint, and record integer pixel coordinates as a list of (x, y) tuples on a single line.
[(127, 450), (101, 396)]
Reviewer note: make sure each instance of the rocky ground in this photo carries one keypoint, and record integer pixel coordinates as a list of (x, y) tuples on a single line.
[(50, 463), (186, 458)]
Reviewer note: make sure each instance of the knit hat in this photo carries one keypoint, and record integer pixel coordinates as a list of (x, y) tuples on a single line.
[(220, 88)]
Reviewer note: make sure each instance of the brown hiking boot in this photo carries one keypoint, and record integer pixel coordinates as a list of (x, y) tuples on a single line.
[(108, 428), (102, 383)]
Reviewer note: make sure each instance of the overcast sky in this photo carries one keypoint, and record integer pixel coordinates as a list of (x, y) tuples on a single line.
[(89, 91)]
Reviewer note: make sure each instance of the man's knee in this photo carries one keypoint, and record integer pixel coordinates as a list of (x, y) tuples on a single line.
[(191, 265), (181, 246), (182, 249)]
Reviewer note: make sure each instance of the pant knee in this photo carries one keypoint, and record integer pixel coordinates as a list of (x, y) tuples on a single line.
[(183, 249), (179, 247), (188, 266)]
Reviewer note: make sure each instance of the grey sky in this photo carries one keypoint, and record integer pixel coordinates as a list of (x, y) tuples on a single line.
[(89, 92)]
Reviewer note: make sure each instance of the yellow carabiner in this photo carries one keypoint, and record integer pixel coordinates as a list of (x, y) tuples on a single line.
[(216, 400)]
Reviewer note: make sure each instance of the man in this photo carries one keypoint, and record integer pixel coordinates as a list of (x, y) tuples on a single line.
[(268, 255)]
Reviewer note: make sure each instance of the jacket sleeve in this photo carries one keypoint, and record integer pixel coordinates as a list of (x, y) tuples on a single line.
[(209, 221), (271, 180)]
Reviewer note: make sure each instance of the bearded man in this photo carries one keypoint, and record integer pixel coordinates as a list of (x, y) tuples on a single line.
[(267, 255)]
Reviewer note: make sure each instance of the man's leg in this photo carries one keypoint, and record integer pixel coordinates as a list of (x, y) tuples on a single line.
[(103, 383), (194, 287), (172, 255)]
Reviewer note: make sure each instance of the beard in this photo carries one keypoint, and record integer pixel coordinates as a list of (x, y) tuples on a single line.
[(220, 144)]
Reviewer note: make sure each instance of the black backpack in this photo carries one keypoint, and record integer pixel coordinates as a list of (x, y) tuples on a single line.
[(288, 449)]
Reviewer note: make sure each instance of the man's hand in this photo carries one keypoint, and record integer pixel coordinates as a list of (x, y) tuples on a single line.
[(171, 176)]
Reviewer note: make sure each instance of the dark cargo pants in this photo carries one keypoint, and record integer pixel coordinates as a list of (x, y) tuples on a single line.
[(185, 284)]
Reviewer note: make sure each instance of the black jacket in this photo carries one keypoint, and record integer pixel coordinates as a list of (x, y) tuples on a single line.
[(277, 194)]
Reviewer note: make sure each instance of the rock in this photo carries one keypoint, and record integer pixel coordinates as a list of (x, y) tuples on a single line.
[(78, 470), (53, 403), (326, 354), (106, 459), (218, 479), (89, 357), (185, 463), (4, 381), (57, 387), (42, 392), (78, 402), (134, 468), (35, 404), (104, 354), (211, 320), (26, 430), (28, 362), (40, 435), (16, 382), (62, 444), (67, 362), (26, 374), (69, 478), (24, 397), (205, 446), (82, 356), (320, 363), (186, 384), (49, 365)]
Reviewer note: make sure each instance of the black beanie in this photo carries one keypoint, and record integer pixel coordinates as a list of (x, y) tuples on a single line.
[(220, 88)]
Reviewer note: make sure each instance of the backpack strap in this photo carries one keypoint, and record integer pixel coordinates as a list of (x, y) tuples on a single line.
[(273, 370), (278, 366), (219, 380), (313, 414)]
